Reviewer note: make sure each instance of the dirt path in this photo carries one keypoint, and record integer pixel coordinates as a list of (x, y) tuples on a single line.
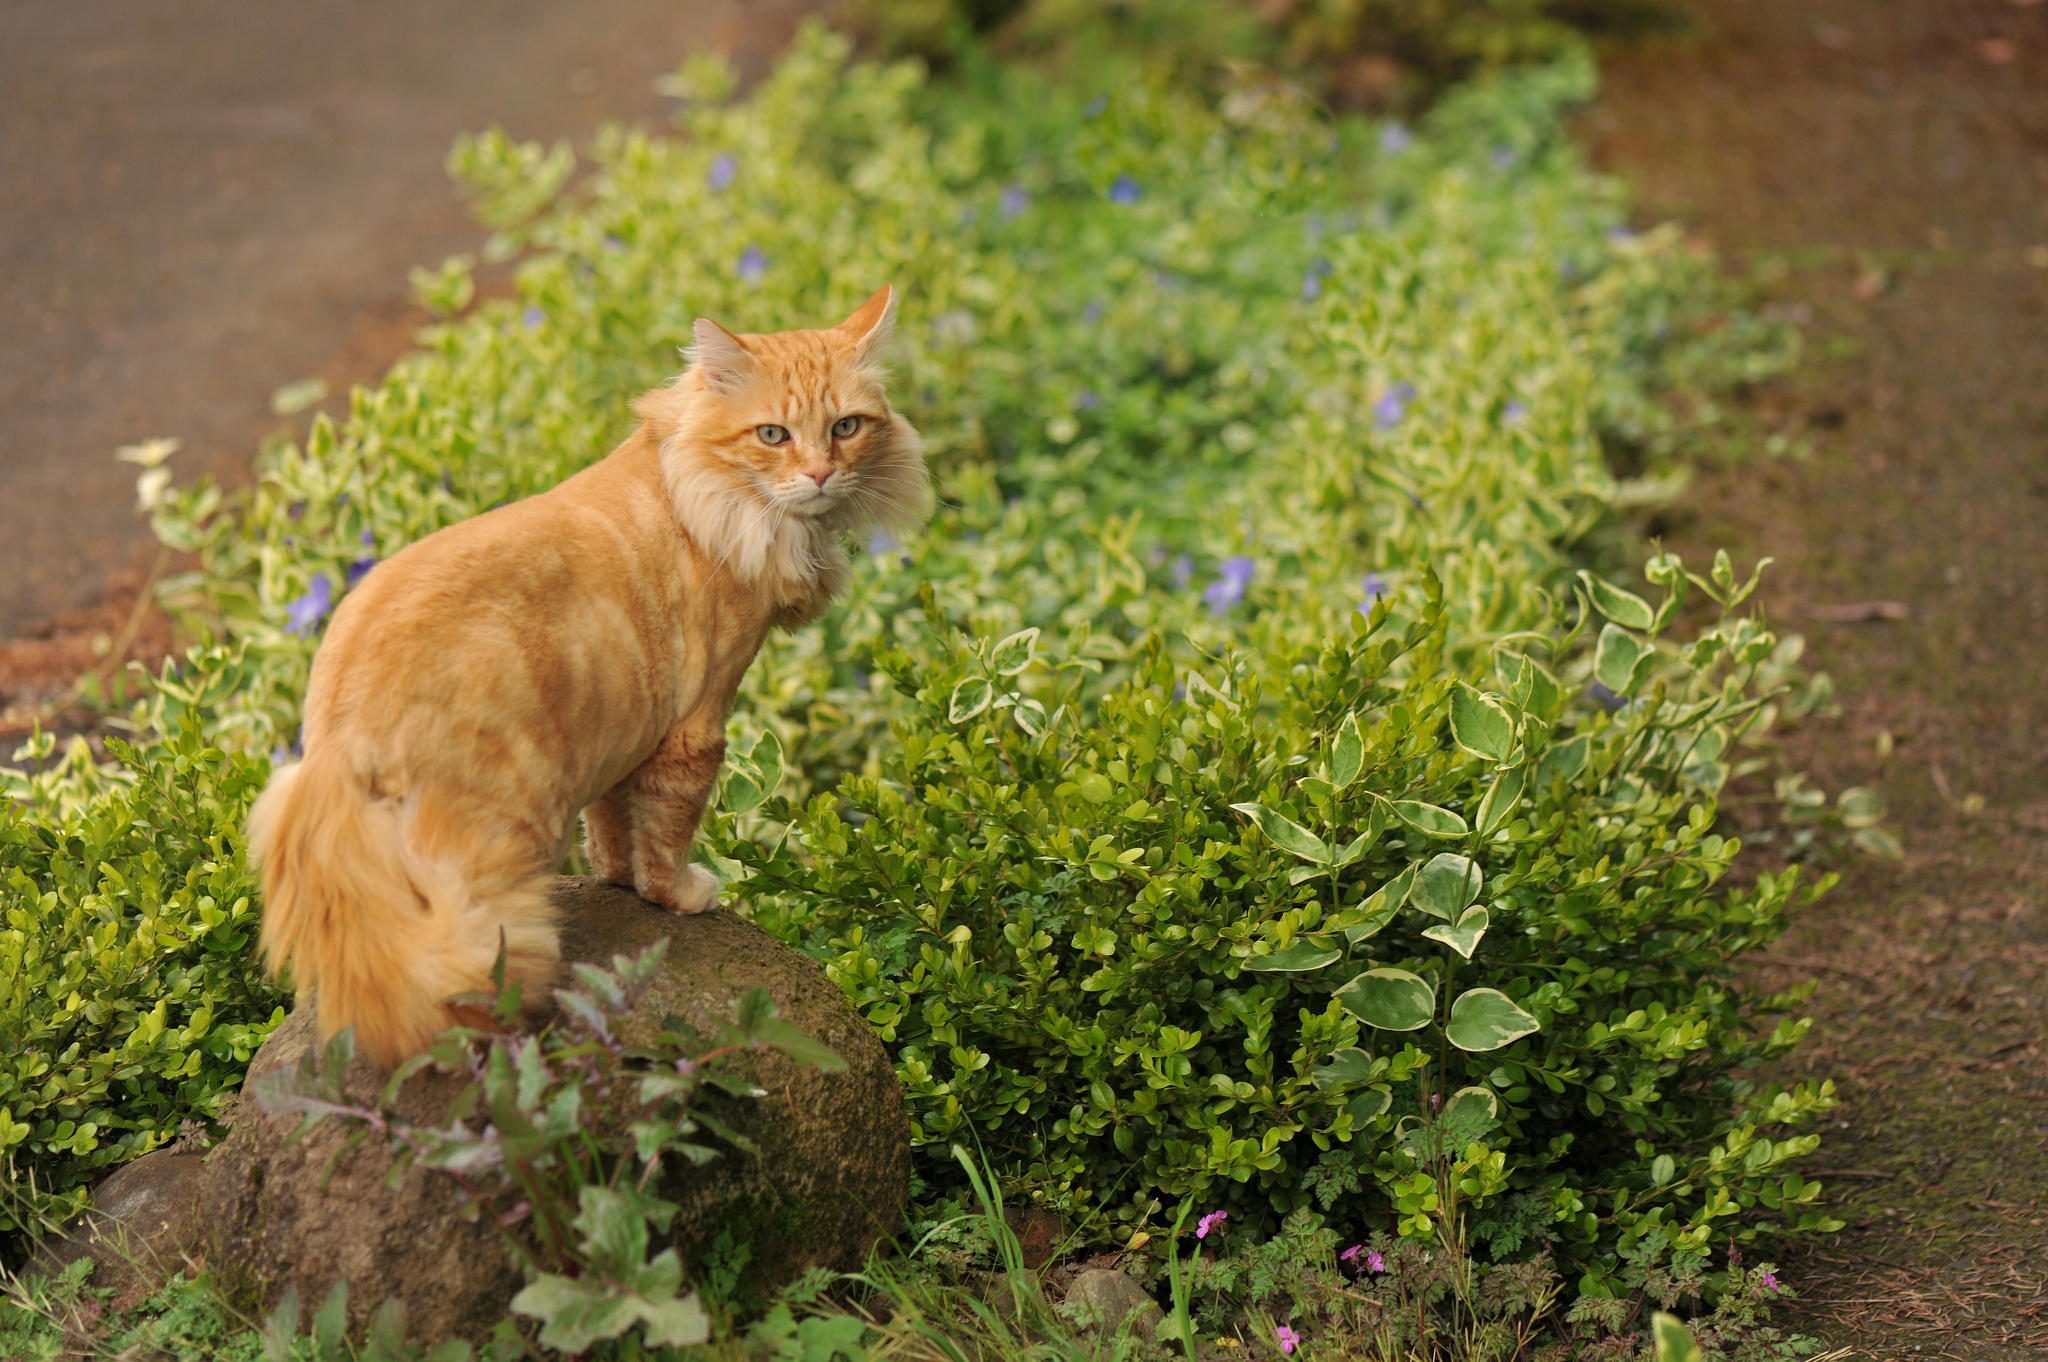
[(1883, 168), (206, 201)]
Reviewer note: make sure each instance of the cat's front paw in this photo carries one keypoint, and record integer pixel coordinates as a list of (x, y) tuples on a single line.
[(693, 891)]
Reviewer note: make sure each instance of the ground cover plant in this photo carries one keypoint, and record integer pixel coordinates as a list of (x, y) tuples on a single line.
[(1236, 793)]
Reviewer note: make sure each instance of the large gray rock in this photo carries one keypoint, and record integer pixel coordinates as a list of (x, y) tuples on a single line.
[(831, 1179)]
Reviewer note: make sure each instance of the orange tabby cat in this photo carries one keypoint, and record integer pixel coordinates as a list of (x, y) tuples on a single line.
[(579, 650)]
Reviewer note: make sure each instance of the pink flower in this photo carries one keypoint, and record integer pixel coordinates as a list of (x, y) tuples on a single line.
[(1210, 1222), (1286, 1338), (1350, 1255), (1768, 1281), (1374, 1262)]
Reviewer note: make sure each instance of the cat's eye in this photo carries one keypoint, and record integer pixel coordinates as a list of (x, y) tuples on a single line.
[(772, 435), (845, 426)]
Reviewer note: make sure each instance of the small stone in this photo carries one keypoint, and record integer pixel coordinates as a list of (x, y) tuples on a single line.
[(140, 1229), (1111, 1301)]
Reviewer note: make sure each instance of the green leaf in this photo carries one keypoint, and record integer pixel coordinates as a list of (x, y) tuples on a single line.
[(282, 1327), (1501, 798), (1674, 1341), (1662, 1169), (1347, 752), (1382, 904), (1094, 787), (1346, 1067), (679, 1323), (1371, 1103), (1565, 760), (1480, 724), (1446, 885), (330, 1323), (1464, 937), (1390, 999), (1030, 716), (1300, 956), (1623, 607), (1861, 807), (1428, 818), (1485, 1019), (1530, 685), (970, 698), (1014, 653), (1286, 834), (1620, 660)]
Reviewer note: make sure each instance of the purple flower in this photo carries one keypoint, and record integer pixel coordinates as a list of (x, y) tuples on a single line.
[(1374, 586), (1395, 139), (1096, 106), (1183, 572), (1092, 313), (753, 265), (1210, 1222), (724, 168), (1514, 413), (1124, 191), (1350, 1255), (1227, 590), (1620, 235), (1286, 1338), (613, 244), (1374, 1262), (880, 542), (1086, 400), (358, 570), (1311, 287), (533, 317), (303, 615), (1392, 408), (1014, 201), (1503, 157), (1768, 1281)]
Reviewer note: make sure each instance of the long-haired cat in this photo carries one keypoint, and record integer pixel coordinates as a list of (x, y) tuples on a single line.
[(576, 651)]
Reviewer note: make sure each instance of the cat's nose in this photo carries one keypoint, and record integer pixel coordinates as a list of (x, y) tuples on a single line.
[(821, 478)]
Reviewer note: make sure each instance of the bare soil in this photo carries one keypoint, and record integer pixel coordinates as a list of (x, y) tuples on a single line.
[(1881, 170), (209, 200)]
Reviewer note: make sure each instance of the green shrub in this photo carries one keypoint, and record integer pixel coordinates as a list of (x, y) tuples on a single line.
[(1195, 374), (130, 1000), (1167, 944)]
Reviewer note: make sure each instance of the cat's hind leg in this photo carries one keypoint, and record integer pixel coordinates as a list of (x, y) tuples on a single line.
[(667, 796)]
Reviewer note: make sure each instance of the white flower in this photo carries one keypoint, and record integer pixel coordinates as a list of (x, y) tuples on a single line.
[(150, 488), (149, 453)]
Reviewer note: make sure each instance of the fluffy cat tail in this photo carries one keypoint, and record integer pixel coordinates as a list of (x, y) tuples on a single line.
[(379, 934)]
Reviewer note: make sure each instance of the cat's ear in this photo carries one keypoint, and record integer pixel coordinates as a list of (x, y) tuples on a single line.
[(872, 324), (720, 356)]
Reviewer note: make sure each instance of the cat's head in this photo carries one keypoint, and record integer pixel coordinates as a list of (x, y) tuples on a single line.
[(765, 435)]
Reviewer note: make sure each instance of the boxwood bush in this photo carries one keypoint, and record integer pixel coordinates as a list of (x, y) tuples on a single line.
[(1200, 375), (130, 998)]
